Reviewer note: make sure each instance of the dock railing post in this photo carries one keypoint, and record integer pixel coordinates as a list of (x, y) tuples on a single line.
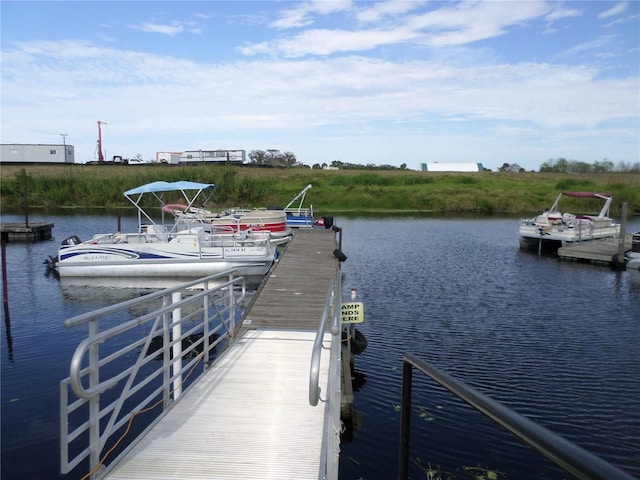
[(94, 402), (405, 420), (623, 234), (176, 366), (166, 356)]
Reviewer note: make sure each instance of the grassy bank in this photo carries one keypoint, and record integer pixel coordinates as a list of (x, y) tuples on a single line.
[(333, 192)]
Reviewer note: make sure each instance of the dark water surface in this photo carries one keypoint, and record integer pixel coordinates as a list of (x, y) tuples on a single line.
[(556, 341)]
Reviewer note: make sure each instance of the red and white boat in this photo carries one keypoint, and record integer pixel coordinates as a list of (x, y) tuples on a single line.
[(234, 220)]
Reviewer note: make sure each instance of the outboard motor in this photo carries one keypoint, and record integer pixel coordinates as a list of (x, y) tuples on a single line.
[(327, 221), (635, 242), (72, 240)]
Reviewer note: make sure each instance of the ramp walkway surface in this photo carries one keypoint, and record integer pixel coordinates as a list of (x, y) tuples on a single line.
[(248, 416)]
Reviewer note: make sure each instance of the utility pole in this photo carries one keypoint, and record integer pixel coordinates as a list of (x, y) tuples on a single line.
[(64, 145)]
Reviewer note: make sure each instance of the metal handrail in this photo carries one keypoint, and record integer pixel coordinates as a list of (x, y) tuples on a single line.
[(144, 376), (330, 451), (316, 352), (572, 458)]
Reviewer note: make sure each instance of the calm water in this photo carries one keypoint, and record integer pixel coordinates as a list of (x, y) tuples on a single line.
[(556, 341)]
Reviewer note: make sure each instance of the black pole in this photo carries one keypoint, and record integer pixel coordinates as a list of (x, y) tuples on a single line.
[(5, 295), (405, 421), (24, 192)]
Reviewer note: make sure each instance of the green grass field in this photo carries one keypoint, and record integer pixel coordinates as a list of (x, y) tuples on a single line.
[(333, 192)]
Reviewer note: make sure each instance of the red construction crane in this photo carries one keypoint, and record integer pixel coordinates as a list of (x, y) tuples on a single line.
[(100, 155)]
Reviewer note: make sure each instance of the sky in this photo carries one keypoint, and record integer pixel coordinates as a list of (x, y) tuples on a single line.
[(382, 83)]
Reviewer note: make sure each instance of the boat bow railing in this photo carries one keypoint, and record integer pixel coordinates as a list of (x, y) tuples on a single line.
[(138, 356)]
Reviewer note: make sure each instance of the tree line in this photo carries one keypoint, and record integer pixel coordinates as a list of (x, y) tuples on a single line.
[(277, 159), (562, 165), (273, 158)]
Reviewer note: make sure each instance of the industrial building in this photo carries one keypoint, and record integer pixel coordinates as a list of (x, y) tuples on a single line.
[(40, 153), (452, 167)]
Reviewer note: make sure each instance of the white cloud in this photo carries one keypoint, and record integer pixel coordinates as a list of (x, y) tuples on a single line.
[(561, 11), (381, 10), (469, 22), (171, 29), (302, 15), (617, 9), (459, 24), (161, 92)]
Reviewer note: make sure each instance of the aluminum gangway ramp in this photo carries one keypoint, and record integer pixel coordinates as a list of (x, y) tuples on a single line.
[(249, 416)]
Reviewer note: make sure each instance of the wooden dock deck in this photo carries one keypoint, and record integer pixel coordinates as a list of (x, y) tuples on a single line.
[(595, 251), (25, 232), (249, 416)]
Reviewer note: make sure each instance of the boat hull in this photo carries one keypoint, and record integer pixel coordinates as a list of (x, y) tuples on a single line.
[(159, 268), (531, 235), (633, 262), (185, 255)]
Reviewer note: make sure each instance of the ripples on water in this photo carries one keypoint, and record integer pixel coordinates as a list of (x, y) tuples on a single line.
[(555, 341)]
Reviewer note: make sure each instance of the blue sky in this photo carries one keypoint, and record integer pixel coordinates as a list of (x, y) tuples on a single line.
[(400, 82)]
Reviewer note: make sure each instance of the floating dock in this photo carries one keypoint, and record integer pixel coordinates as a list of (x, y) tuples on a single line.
[(23, 232), (599, 252)]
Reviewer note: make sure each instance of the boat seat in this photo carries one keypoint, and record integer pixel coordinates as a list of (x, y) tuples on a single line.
[(157, 233), (136, 238)]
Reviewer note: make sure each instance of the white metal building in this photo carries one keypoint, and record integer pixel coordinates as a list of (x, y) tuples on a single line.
[(452, 167), (40, 153)]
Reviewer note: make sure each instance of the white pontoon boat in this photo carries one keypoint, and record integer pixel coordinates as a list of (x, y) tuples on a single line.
[(180, 250), (556, 228)]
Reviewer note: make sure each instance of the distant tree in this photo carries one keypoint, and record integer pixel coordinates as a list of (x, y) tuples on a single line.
[(257, 157), (273, 158), (403, 166), (289, 159), (625, 167), (605, 166), (579, 167), (560, 165)]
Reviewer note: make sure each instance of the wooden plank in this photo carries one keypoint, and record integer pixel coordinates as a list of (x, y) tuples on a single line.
[(600, 251), (295, 292)]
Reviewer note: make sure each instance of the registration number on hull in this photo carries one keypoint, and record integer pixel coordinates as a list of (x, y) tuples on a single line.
[(243, 251)]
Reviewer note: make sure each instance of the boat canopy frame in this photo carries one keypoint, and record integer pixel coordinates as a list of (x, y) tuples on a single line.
[(191, 191), (300, 196), (604, 211)]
